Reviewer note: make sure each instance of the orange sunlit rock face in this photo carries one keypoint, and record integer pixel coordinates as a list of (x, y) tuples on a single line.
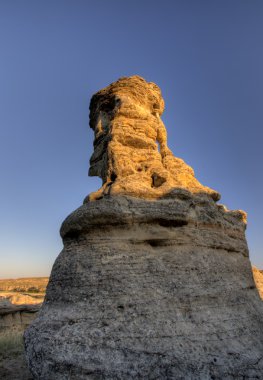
[(258, 277), (130, 147)]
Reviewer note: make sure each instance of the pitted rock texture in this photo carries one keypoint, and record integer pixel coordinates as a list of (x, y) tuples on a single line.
[(130, 147), (154, 287)]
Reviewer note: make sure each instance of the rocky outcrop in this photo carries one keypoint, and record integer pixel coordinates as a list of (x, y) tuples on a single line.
[(17, 316), (130, 147), (16, 298), (154, 281), (20, 300)]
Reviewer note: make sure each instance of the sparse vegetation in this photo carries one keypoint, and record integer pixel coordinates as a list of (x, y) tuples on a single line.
[(11, 341), (21, 291), (12, 356), (21, 285)]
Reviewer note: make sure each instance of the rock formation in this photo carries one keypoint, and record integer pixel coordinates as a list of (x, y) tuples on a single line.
[(154, 281), (130, 147)]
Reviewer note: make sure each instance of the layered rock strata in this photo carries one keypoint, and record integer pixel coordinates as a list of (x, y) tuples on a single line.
[(17, 316), (154, 281)]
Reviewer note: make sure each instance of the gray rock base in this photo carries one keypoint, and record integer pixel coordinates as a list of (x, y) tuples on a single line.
[(150, 290)]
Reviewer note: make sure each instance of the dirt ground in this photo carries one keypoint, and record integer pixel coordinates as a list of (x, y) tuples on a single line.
[(12, 355), (13, 367)]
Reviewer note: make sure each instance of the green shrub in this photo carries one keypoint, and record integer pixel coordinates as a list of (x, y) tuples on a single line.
[(33, 290)]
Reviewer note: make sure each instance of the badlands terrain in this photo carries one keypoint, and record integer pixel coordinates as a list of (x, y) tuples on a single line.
[(21, 291), (20, 300)]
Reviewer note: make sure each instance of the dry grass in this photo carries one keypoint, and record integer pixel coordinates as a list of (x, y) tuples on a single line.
[(11, 341), (12, 356)]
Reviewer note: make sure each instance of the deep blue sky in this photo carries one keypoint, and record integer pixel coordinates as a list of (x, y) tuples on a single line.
[(207, 57)]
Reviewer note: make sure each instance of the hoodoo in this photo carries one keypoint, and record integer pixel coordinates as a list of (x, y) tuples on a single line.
[(154, 281)]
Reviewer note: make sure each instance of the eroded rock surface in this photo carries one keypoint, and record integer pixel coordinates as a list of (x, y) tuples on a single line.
[(17, 316), (130, 147), (154, 282)]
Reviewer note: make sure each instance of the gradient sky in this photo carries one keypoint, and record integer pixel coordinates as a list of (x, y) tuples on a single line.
[(207, 57)]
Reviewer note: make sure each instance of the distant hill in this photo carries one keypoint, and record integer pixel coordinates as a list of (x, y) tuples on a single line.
[(22, 291), (25, 285)]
